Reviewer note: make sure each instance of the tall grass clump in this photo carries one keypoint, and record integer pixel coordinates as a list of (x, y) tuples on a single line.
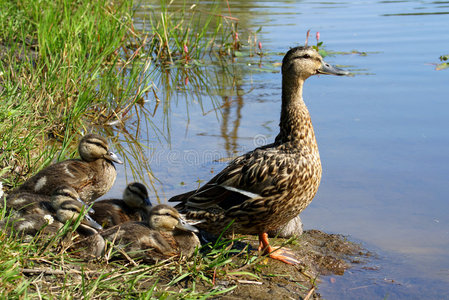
[(63, 69), (184, 33)]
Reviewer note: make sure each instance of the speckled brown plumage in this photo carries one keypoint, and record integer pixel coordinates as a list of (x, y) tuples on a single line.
[(91, 176), (134, 206), (265, 188)]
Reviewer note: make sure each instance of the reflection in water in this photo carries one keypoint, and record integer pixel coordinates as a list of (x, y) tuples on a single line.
[(231, 135)]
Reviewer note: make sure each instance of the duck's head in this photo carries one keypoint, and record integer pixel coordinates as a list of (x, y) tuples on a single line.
[(303, 62), (72, 210), (66, 193), (93, 147), (68, 206), (136, 195), (166, 218)]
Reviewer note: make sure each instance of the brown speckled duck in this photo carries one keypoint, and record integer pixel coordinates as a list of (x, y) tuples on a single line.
[(264, 189), (133, 207), (165, 235), (91, 176)]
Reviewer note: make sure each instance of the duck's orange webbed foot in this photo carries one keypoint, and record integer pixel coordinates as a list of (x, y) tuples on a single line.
[(283, 254)]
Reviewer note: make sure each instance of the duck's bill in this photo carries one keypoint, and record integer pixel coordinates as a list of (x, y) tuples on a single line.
[(92, 223), (112, 157), (147, 202), (328, 69), (89, 209), (183, 225)]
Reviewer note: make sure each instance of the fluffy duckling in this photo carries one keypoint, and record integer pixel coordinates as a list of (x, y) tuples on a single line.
[(264, 189), (133, 207), (28, 226), (165, 235), (91, 176), (26, 203), (63, 205)]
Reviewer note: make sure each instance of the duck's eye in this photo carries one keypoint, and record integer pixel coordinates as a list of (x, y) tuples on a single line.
[(306, 56)]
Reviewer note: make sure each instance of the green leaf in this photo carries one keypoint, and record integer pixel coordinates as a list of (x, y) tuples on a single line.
[(442, 66)]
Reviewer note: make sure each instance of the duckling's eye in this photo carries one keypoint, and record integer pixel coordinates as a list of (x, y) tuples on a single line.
[(306, 56), (72, 209), (98, 144)]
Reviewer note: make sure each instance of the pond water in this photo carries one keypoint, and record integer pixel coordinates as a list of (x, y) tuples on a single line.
[(383, 134)]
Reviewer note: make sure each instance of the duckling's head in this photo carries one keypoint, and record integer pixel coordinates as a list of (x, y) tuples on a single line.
[(71, 210), (303, 62), (136, 195), (93, 147), (65, 200), (166, 218), (66, 193), (62, 194)]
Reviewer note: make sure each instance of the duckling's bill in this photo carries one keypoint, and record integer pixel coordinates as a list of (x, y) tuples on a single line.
[(91, 222), (89, 209), (183, 225), (113, 157)]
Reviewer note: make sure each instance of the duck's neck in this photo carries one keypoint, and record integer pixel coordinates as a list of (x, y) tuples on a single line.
[(295, 125)]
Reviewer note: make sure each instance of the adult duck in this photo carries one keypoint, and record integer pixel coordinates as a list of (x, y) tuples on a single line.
[(91, 176), (264, 189), (133, 207)]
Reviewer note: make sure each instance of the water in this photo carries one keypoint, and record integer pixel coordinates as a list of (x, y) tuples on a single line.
[(383, 135)]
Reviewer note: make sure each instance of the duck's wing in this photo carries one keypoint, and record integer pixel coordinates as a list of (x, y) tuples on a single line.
[(73, 172), (259, 173), (79, 172)]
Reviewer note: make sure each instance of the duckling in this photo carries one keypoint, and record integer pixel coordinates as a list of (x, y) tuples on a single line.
[(29, 226), (165, 235), (63, 206), (133, 207), (86, 241), (91, 176), (264, 189), (26, 203)]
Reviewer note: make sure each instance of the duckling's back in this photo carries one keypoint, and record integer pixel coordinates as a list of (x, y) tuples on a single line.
[(113, 212), (25, 203), (90, 179)]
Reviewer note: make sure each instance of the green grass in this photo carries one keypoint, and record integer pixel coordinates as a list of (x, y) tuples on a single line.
[(62, 72), (46, 267)]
